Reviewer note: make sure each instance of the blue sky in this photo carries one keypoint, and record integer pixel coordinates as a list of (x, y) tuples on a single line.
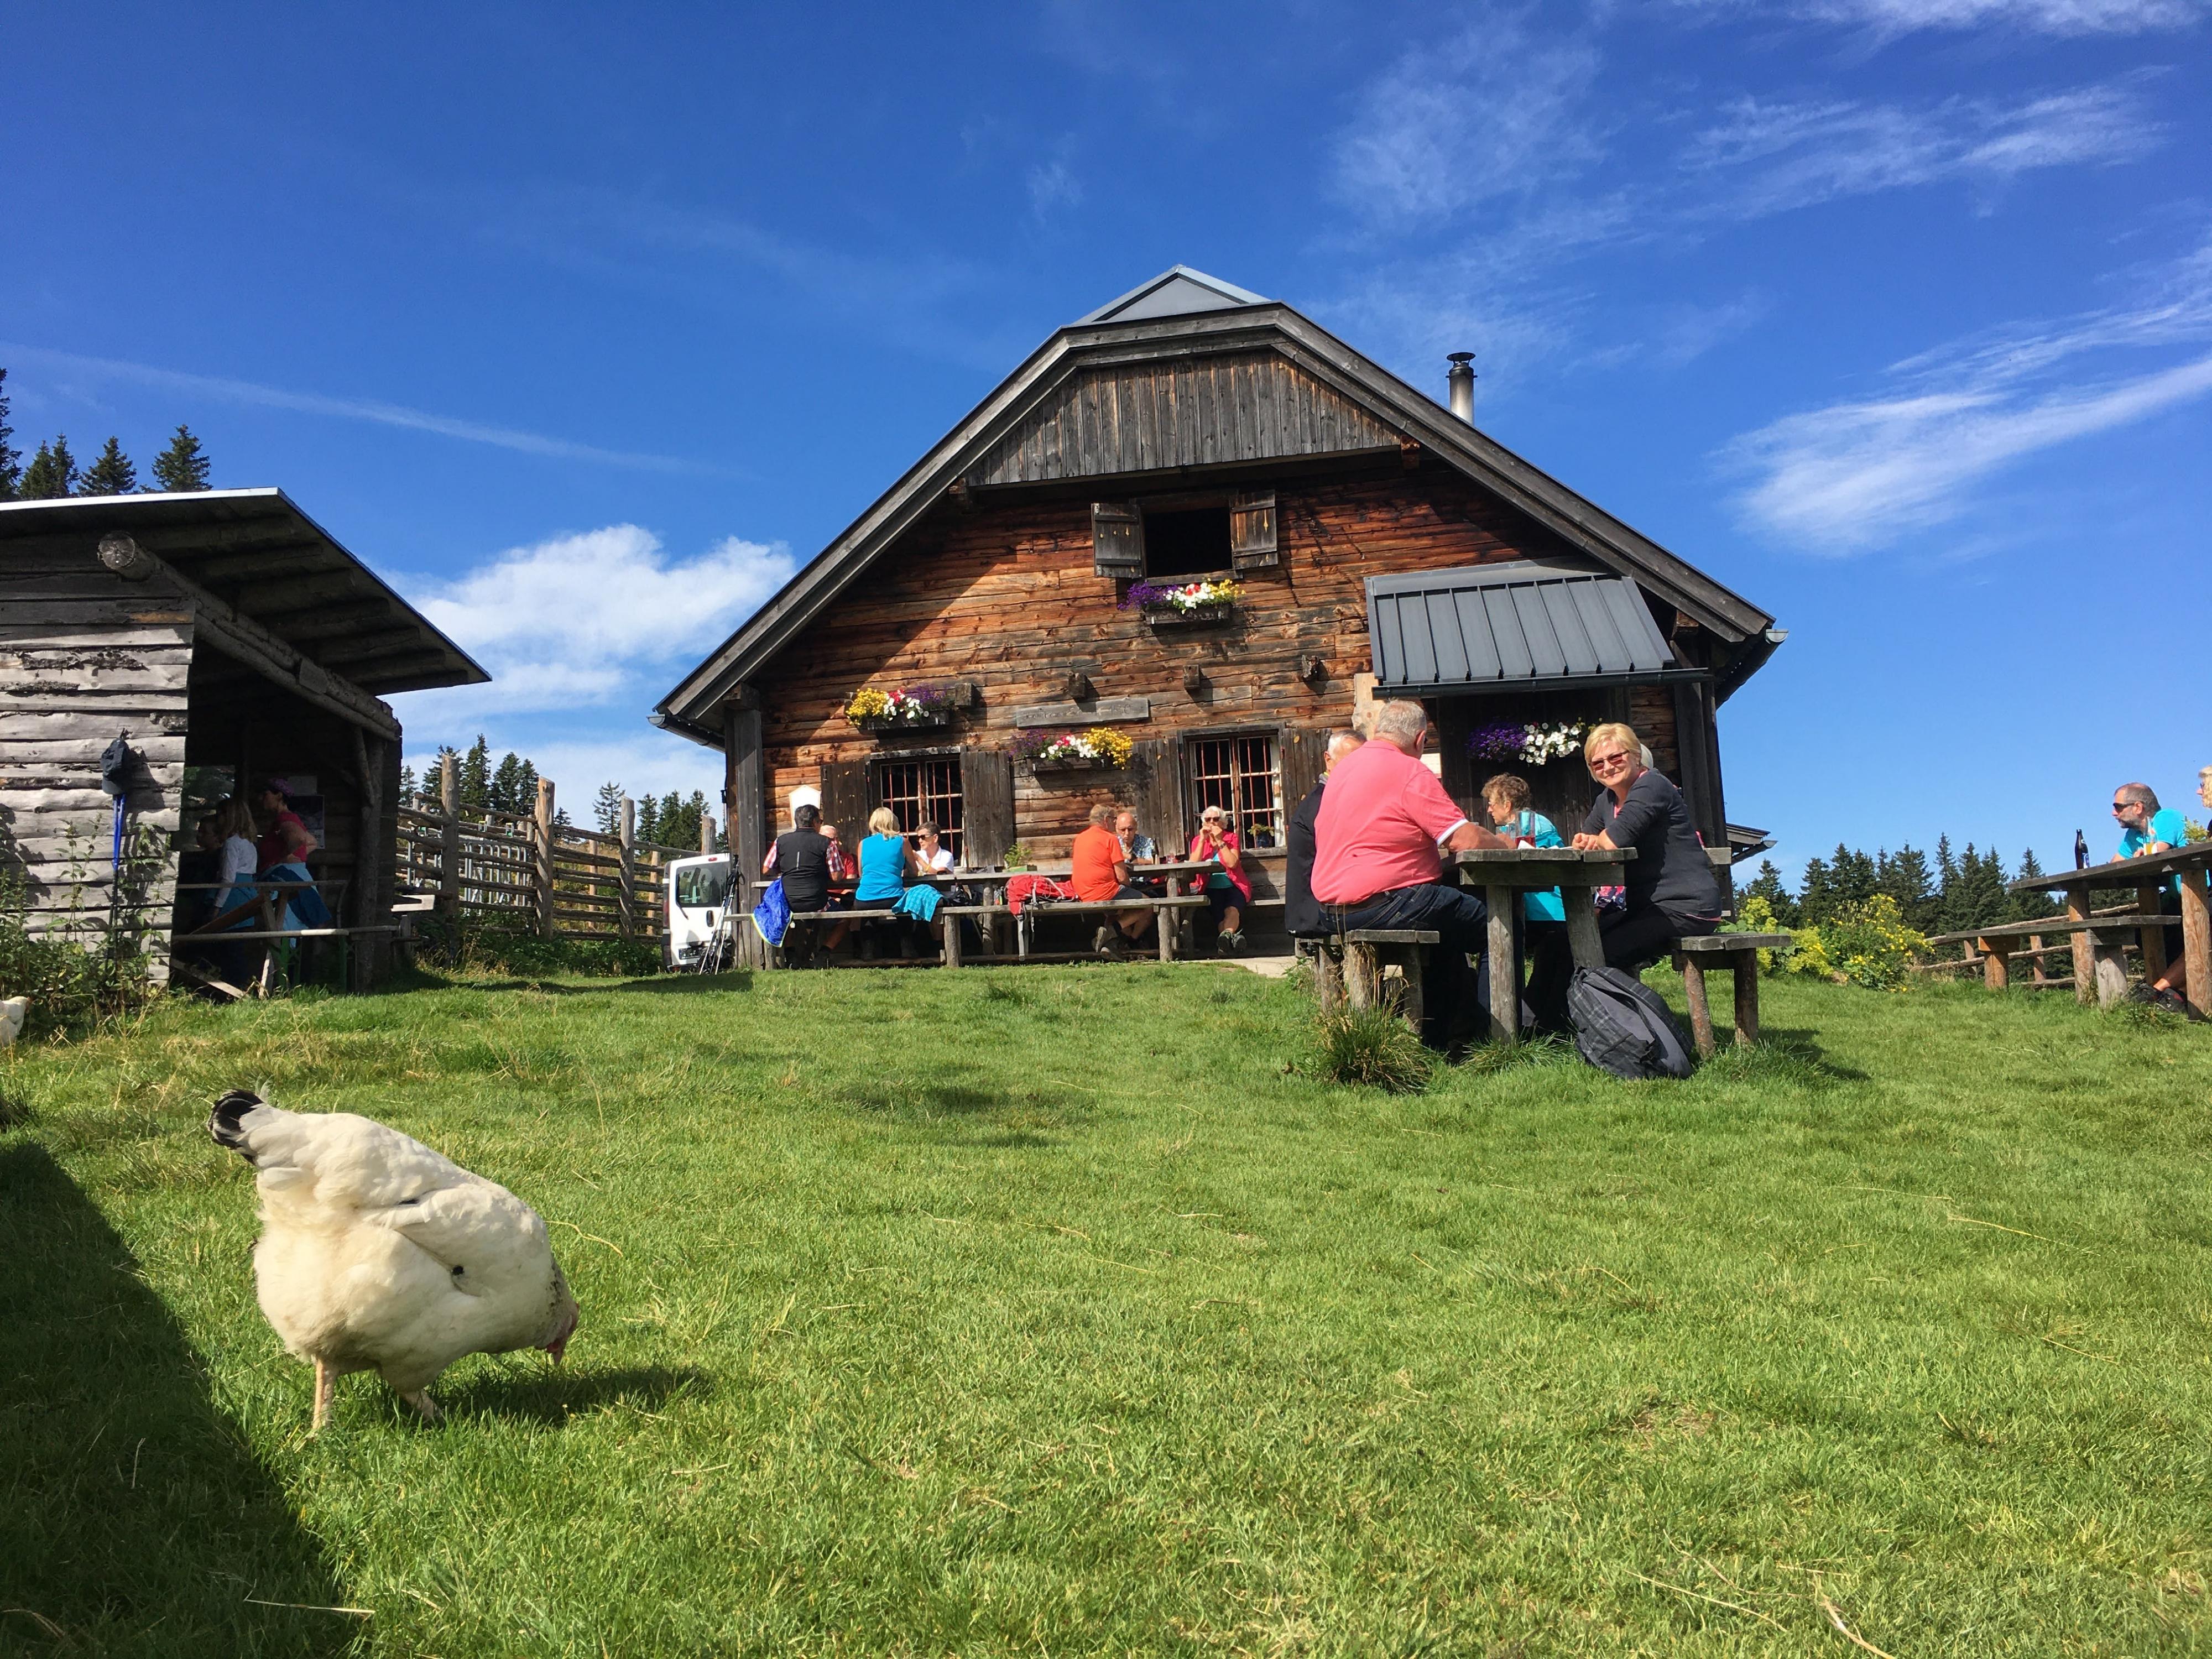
[(585, 328)]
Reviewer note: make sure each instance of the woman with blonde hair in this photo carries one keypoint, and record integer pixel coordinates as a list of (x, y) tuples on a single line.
[(1669, 881)]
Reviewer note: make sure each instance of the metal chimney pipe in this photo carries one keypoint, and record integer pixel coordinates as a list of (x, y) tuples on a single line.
[(1461, 379)]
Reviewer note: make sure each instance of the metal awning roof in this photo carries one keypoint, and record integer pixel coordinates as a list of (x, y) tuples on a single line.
[(1512, 627), (255, 551)]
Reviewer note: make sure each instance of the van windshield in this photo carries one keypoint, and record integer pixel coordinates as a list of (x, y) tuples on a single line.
[(700, 886)]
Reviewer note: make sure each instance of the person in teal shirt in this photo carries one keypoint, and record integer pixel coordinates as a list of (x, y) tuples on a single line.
[(1505, 799), (2147, 827)]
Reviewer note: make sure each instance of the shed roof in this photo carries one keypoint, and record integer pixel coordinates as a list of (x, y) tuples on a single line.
[(1524, 625), (258, 552)]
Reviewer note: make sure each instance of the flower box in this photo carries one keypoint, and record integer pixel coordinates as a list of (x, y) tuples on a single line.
[(1101, 749), (1200, 615), (927, 720), (1087, 765), (910, 707)]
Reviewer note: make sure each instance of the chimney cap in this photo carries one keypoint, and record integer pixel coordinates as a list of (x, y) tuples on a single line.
[(1459, 357)]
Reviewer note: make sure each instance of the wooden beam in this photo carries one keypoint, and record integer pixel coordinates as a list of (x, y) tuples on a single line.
[(239, 636), (1106, 711)]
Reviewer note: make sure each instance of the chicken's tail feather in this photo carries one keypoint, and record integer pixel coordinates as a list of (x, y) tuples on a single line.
[(226, 1122)]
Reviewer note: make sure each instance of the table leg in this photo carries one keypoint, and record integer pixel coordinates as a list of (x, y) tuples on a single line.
[(1701, 1013), (1746, 1003), (2085, 948), (2153, 938), (2197, 939), (1504, 986), (1584, 939), (1328, 977), (1412, 1003), (1164, 922), (1363, 976), (952, 941)]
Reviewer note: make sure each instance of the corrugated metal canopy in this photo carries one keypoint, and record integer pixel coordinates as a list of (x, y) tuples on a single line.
[(1517, 626), (255, 551)]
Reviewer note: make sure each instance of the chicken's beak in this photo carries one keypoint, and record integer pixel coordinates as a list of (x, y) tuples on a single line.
[(556, 1347)]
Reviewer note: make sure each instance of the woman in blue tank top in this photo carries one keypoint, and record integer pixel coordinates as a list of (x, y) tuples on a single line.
[(885, 862)]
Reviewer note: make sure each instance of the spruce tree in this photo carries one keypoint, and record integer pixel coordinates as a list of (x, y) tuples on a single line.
[(111, 474), (1904, 876), (1767, 884), (506, 792), (1816, 898), (11, 460), (51, 473), (2030, 907), (475, 780), (408, 787), (182, 467), (648, 820), (606, 808)]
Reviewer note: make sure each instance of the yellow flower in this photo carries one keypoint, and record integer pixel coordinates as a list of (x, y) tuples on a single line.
[(867, 703)]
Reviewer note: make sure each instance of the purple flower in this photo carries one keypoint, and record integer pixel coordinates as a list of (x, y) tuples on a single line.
[(1141, 595), (1496, 740)]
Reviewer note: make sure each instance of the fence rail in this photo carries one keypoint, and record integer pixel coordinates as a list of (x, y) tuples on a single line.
[(534, 873)]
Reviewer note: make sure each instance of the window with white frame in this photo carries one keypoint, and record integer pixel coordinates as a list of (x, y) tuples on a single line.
[(925, 789), (1242, 774)]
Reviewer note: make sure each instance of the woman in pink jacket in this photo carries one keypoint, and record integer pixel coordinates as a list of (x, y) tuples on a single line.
[(1226, 886)]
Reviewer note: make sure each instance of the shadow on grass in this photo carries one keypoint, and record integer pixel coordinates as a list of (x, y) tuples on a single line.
[(133, 1520), (659, 985), (552, 1395), (1783, 1056)]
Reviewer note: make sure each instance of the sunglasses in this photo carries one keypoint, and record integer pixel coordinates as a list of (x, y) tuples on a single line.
[(1607, 762)]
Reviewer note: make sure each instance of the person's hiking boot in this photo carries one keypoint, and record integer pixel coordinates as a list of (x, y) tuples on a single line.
[(1103, 941), (1230, 944), (2142, 992), (2175, 1003)]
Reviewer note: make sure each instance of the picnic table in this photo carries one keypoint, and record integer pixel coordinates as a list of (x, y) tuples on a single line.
[(1166, 910), (2098, 975), (1504, 874)]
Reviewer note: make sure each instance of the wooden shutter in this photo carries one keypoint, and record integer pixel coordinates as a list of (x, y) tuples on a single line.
[(1117, 540), (845, 799), (1300, 755), (1156, 791), (1252, 530), (986, 806)]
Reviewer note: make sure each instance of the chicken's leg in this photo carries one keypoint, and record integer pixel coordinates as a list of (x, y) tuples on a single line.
[(420, 1401), (326, 1389)]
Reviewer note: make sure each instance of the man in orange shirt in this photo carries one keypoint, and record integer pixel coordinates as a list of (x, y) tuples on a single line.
[(1102, 872)]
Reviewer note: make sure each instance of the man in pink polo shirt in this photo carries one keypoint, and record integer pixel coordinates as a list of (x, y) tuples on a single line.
[(1385, 821)]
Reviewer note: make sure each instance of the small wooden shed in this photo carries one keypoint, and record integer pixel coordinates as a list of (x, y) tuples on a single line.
[(1193, 431), (224, 636)]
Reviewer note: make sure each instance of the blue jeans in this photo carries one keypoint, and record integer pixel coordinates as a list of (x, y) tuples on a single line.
[(1451, 1011)]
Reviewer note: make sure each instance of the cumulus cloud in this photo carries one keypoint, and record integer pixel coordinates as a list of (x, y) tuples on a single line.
[(1787, 155), (1863, 473), (579, 619)]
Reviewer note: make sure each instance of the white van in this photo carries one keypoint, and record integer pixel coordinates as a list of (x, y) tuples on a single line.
[(700, 892)]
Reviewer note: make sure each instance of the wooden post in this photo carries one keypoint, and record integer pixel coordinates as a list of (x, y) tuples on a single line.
[(2196, 938), (541, 835), (629, 828), (1328, 976), (1412, 997), (373, 862), (2153, 937), (706, 832), (449, 850), (1997, 964), (1746, 1001), (1505, 981), (745, 807), (2084, 947), (1363, 976), (1701, 1012)]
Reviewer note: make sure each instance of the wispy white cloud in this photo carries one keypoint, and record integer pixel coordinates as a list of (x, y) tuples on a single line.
[(1052, 184), (1863, 473), (1890, 18), (1789, 156), (1491, 112), (346, 409), (581, 620)]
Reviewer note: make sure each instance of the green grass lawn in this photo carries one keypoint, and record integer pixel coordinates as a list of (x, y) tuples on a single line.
[(1050, 1312)]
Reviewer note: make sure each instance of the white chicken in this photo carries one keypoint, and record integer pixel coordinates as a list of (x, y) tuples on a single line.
[(14, 1010), (377, 1253)]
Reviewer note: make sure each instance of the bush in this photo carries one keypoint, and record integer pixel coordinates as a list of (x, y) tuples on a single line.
[(71, 988), (1371, 1046), (1865, 944), (474, 948)]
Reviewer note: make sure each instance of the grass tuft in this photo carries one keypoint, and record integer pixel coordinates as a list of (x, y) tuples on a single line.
[(1371, 1047)]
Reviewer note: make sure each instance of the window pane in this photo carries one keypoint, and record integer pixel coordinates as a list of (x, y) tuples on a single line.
[(1239, 774), (926, 788)]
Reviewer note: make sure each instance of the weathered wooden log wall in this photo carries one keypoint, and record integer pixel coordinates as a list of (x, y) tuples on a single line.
[(1002, 590), (87, 657)]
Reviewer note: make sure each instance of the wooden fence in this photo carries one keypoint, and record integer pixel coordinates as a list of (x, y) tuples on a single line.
[(533, 874)]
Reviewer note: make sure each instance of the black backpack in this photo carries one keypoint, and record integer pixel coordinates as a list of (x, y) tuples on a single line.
[(1622, 1026)]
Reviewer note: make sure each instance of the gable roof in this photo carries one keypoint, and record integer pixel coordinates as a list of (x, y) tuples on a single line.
[(1207, 318)]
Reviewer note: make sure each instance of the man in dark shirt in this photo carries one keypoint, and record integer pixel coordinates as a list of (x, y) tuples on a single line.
[(801, 857), (1302, 912)]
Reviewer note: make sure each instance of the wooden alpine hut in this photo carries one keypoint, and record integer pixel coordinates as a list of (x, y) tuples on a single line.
[(1046, 569), (223, 637)]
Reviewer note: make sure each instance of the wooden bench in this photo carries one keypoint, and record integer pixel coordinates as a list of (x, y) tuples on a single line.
[(1696, 955), (1351, 967), (1998, 944), (1165, 910)]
